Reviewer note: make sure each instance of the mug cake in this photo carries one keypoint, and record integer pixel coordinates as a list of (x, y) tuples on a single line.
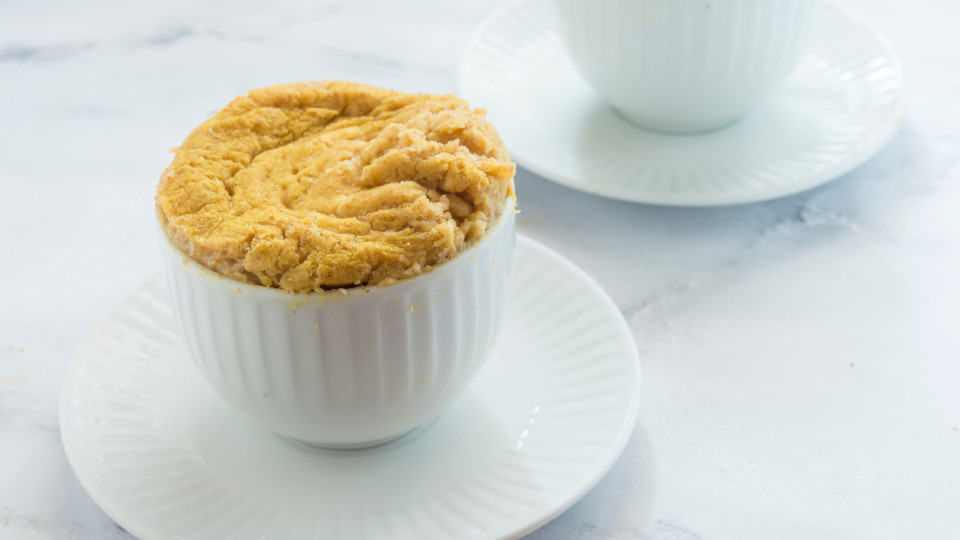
[(337, 255), (313, 186)]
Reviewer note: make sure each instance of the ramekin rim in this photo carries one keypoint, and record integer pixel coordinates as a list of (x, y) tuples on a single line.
[(187, 263)]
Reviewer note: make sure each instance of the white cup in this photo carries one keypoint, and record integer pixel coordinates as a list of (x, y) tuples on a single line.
[(685, 65), (345, 368)]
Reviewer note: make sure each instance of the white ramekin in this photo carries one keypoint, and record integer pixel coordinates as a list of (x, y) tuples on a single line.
[(350, 367), (685, 65)]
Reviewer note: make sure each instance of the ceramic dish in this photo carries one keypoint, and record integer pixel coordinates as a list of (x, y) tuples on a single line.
[(348, 367)]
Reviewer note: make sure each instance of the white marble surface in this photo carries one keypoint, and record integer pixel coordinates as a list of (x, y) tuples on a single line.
[(801, 357)]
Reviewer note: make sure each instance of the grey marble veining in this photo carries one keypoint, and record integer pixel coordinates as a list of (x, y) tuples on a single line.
[(801, 357)]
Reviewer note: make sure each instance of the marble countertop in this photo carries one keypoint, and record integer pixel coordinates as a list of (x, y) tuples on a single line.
[(801, 357)]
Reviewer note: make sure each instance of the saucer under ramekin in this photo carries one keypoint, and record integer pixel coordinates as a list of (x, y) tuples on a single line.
[(543, 422), (842, 104)]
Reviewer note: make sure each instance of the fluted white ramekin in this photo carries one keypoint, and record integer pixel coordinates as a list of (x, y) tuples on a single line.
[(351, 367), (685, 65)]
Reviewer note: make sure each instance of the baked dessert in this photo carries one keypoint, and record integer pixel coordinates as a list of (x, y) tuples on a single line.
[(312, 186)]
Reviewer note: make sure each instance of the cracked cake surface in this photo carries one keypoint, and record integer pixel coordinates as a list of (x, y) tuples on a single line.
[(312, 186)]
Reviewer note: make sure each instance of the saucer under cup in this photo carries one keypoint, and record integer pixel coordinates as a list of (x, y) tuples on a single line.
[(841, 104), (546, 418)]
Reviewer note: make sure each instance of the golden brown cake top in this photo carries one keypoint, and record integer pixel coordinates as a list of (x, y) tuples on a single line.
[(311, 186)]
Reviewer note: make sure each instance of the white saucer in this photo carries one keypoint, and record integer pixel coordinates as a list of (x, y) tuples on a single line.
[(840, 106), (546, 419)]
